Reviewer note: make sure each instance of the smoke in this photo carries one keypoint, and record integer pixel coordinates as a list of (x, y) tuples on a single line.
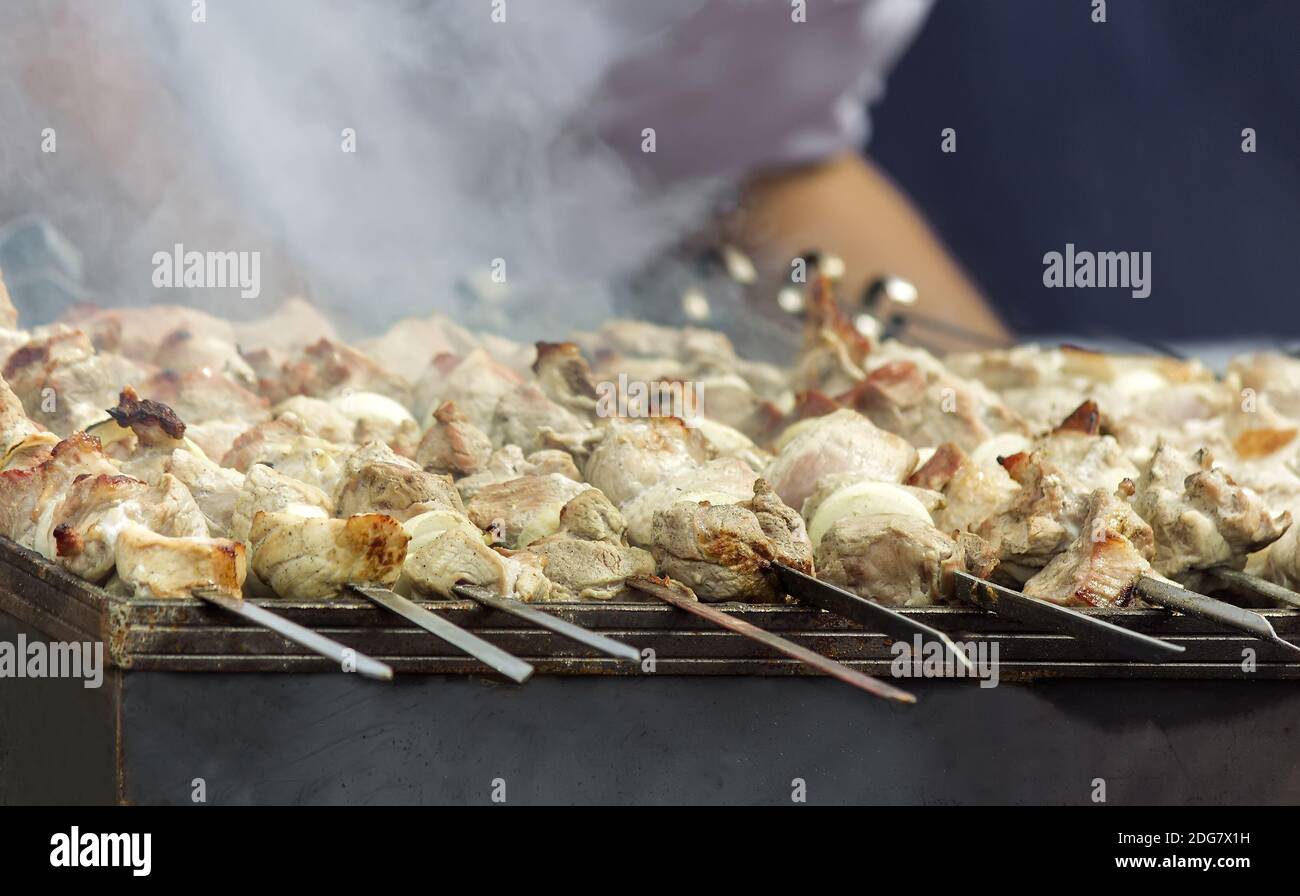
[(471, 149)]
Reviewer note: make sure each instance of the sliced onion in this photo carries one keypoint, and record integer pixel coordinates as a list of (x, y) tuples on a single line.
[(864, 498)]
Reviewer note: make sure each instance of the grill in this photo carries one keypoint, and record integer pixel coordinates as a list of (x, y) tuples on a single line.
[(191, 636)]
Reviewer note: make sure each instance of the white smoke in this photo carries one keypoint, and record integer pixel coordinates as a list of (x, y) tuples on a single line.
[(227, 134)]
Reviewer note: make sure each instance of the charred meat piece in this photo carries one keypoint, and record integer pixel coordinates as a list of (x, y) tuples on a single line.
[(842, 442), (453, 445), (1102, 566), (457, 558), (153, 565), (725, 552), (153, 422), (305, 558), (834, 351), (899, 560), (1200, 516)]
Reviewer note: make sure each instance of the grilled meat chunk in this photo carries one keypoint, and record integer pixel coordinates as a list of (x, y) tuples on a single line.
[(306, 558), (153, 565), (15, 425), (725, 552), (287, 444), (1102, 565), (30, 496), (1043, 518), (928, 405), (215, 488), (972, 491), (724, 480), (1200, 517), (296, 324), (566, 378), (524, 416), (520, 511), (267, 490), (457, 558), (636, 454), (64, 364), (453, 444), (139, 333), (588, 558), (842, 442), (899, 560), (85, 525), (399, 489), (8, 313), (475, 382), (328, 368)]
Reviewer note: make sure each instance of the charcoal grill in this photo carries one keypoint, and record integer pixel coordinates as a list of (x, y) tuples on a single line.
[(717, 721)]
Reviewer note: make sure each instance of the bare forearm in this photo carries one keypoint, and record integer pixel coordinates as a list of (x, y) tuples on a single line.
[(849, 208)]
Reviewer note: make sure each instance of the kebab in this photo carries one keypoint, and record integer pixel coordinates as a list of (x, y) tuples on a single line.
[(577, 436)]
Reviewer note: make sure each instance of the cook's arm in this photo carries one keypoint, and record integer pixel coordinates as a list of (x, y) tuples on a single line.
[(848, 207)]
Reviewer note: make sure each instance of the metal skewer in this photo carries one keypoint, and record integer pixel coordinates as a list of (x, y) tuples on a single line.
[(1244, 581), (1189, 603), (508, 665), (489, 598), (844, 603), (1055, 618), (326, 647), (874, 686)]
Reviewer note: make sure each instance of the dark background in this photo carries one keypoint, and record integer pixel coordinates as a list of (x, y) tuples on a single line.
[(1122, 136)]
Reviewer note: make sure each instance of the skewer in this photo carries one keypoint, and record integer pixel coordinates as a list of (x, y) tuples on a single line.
[(326, 647), (874, 686), (508, 665), (840, 602), (518, 608), (1244, 581), (1189, 603), (1055, 618)]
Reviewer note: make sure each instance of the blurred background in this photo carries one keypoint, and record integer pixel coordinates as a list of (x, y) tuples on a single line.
[(521, 137)]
